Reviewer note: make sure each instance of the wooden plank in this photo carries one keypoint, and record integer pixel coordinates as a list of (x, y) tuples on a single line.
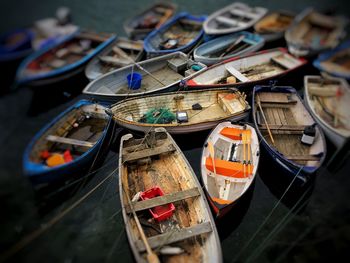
[(303, 157), (175, 236), (162, 200), (64, 140), (234, 72), (133, 156), (283, 127)]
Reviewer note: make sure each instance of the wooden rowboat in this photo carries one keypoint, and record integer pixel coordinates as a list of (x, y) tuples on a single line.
[(328, 101), (181, 112), (181, 33), (187, 233), (313, 32), (120, 53), (62, 60), (288, 132), (226, 47), (80, 135), (273, 25), (230, 170), (139, 26), (247, 70), (233, 18), (159, 74), (335, 62)]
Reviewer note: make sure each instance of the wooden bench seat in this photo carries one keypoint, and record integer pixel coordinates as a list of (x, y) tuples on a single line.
[(63, 140), (162, 200), (136, 155), (175, 235)]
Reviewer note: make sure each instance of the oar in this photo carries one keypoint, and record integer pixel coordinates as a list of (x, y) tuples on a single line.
[(238, 40), (151, 256), (244, 154), (212, 154), (248, 149), (263, 115)]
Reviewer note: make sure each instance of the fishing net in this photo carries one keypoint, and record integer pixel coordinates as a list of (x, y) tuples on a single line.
[(158, 116)]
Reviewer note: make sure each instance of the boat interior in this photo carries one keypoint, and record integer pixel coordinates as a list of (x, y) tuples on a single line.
[(158, 74), (182, 32), (251, 68), (77, 132), (330, 98), (339, 62), (237, 16), (154, 161), (196, 107), (229, 48), (65, 54), (153, 17), (275, 22), (123, 53), (317, 29), (235, 161), (284, 115)]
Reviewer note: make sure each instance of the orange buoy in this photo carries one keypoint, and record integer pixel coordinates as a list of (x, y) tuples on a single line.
[(55, 159)]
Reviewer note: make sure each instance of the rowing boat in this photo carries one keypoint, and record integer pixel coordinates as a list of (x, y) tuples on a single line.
[(160, 74), (181, 33), (273, 25), (288, 132), (139, 26), (328, 101), (72, 143), (226, 47), (66, 58), (158, 185), (247, 70), (182, 111), (229, 171), (120, 53), (233, 18), (335, 62), (313, 32)]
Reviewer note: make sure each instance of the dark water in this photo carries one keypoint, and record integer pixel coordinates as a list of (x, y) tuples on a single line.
[(310, 224)]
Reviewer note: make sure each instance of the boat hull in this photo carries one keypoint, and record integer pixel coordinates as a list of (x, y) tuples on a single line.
[(42, 176), (185, 129), (56, 75), (210, 247), (255, 41), (301, 174), (333, 135), (112, 87), (205, 78), (152, 41)]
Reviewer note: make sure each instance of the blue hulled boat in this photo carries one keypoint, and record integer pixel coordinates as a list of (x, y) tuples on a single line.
[(228, 46), (64, 59), (15, 45), (288, 132), (72, 143), (180, 33), (335, 62)]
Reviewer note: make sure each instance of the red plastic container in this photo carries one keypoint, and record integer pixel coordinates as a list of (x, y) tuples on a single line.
[(161, 212)]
